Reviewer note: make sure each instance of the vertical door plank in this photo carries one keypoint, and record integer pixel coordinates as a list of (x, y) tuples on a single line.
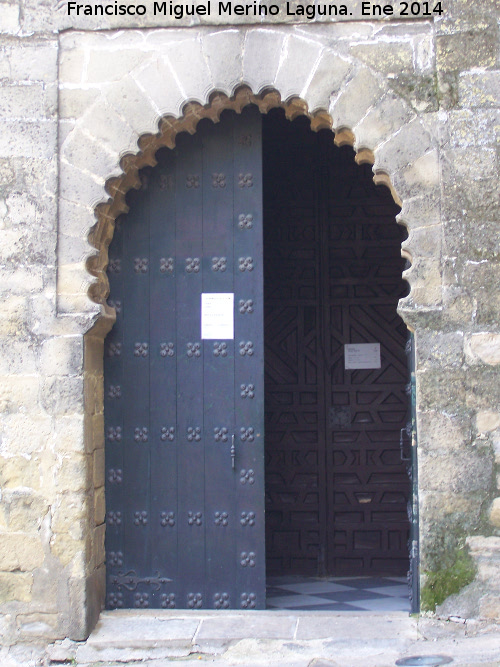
[(218, 363), (135, 398), (190, 427), (249, 359), (163, 351), (114, 426)]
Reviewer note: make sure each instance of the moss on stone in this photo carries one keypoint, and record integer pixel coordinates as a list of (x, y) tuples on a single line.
[(440, 584)]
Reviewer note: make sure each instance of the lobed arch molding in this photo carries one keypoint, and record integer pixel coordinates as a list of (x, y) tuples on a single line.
[(98, 165), (169, 127)]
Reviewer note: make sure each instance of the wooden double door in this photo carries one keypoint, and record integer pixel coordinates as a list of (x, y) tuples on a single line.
[(204, 454)]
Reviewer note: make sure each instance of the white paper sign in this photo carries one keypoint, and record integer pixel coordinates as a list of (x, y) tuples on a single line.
[(362, 355), (217, 316)]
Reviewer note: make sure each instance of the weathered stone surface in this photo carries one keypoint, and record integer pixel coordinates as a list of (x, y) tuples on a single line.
[(223, 51), (165, 95), (19, 552), (494, 515), (261, 58), (487, 420), (483, 347), (390, 58), (422, 96), (360, 93), (295, 70), (382, 121), (479, 89), (326, 81), (15, 586)]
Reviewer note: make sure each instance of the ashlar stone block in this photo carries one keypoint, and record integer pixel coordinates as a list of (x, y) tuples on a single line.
[(479, 89), (13, 316), (65, 548), (466, 50), (110, 130), (494, 515), (419, 211), (464, 472), (98, 467), (423, 174), (112, 63), (388, 57), (403, 148), (440, 349), (17, 357), (99, 506), (15, 586), (261, 57), (191, 71), (74, 102), (424, 241), (425, 279), (326, 80), (28, 102), (487, 421), (69, 514), (23, 510), (78, 186), (363, 91), (72, 473), (161, 87), (223, 52), (62, 395), (62, 355), (31, 59), (19, 552), (483, 348), (133, 103), (9, 18), (26, 434), (300, 58), (18, 471), (381, 121), (28, 139), (69, 434), (90, 155), (469, 128), (98, 542)]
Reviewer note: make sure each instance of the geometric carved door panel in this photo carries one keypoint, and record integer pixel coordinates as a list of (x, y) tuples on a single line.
[(184, 415), (336, 485)]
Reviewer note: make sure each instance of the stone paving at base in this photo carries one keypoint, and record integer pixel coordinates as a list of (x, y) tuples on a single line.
[(150, 638)]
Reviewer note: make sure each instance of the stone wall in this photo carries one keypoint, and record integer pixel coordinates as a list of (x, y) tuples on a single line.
[(81, 108)]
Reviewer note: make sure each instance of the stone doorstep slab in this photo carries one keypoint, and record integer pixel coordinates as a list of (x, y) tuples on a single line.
[(397, 626), (156, 629), (142, 631)]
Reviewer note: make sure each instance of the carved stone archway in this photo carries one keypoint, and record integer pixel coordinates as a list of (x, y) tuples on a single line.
[(111, 129)]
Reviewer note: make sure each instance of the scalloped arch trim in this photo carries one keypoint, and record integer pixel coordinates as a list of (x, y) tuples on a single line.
[(129, 93)]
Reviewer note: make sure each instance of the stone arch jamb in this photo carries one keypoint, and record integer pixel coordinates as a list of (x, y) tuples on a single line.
[(109, 131)]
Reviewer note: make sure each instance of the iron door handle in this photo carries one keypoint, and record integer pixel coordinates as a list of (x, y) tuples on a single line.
[(233, 452)]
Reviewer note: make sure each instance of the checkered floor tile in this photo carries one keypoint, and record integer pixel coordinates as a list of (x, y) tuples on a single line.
[(338, 593)]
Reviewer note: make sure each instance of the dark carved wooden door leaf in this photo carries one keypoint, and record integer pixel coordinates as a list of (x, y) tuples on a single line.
[(336, 486), (184, 414)]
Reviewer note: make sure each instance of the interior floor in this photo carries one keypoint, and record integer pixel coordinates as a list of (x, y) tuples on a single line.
[(338, 593)]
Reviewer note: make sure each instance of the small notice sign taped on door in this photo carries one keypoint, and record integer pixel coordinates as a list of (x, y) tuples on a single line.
[(217, 316), (362, 355)]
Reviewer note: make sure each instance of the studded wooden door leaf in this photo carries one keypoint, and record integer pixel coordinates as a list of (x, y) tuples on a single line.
[(336, 486), (184, 416)]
